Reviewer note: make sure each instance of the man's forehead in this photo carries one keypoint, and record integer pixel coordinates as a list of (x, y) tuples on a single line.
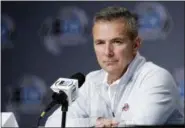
[(108, 29), (111, 38), (119, 21), (116, 24)]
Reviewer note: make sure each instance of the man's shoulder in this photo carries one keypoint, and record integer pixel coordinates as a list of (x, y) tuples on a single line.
[(151, 68), (156, 74), (95, 75)]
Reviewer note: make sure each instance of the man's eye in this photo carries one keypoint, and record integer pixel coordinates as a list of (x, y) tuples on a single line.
[(117, 42), (100, 42)]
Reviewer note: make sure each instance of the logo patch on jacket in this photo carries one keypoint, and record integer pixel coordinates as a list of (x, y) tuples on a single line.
[(125, 107)]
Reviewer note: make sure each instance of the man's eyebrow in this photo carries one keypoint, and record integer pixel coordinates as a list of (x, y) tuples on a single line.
[(114, 39), (98, 40), (119, 38)]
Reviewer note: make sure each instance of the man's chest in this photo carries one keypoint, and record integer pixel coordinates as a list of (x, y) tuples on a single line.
[(122, 102)]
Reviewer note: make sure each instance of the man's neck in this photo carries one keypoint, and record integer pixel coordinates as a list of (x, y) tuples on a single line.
[(113, 77)]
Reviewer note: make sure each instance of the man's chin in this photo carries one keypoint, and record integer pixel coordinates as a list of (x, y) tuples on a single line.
[(111, 70)]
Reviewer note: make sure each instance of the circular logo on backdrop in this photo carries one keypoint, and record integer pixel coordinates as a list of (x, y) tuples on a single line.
[(154, 20), (179, 77), (181, 88), (28, 97), (7, 28), (67, 29)]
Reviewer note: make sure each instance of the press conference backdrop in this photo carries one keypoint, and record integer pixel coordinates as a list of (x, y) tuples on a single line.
[(41, 41)]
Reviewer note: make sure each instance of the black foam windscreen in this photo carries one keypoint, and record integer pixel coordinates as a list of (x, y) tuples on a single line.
[(80, 77)]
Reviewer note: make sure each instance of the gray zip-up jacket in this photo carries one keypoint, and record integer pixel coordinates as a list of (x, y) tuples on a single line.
[(145, 95)]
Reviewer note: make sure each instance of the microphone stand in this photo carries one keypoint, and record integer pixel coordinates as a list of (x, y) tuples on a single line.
[(64, 109)]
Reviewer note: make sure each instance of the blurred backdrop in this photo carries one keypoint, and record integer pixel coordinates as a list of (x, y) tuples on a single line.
[(42, 41)]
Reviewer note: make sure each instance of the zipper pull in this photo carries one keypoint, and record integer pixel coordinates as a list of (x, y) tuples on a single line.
[(113, 114)]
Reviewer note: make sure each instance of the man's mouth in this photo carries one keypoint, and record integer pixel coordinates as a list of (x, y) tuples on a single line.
[(110, 61)]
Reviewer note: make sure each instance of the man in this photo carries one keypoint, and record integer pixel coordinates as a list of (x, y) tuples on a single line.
[(128, 90)]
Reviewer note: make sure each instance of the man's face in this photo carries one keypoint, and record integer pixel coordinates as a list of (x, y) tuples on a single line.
[(113, 47)]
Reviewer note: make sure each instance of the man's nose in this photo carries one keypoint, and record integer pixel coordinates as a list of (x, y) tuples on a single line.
[(109, 50)]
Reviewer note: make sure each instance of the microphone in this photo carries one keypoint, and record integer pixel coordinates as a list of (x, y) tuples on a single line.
[(68, 88), (65, 89)]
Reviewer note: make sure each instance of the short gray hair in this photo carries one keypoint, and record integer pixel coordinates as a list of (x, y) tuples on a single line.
[(115, 13)]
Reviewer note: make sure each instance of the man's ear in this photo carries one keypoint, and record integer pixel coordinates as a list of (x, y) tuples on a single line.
[(136, 44)]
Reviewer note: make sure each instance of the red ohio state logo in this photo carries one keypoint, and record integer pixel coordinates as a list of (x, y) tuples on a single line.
[(125, 107)]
